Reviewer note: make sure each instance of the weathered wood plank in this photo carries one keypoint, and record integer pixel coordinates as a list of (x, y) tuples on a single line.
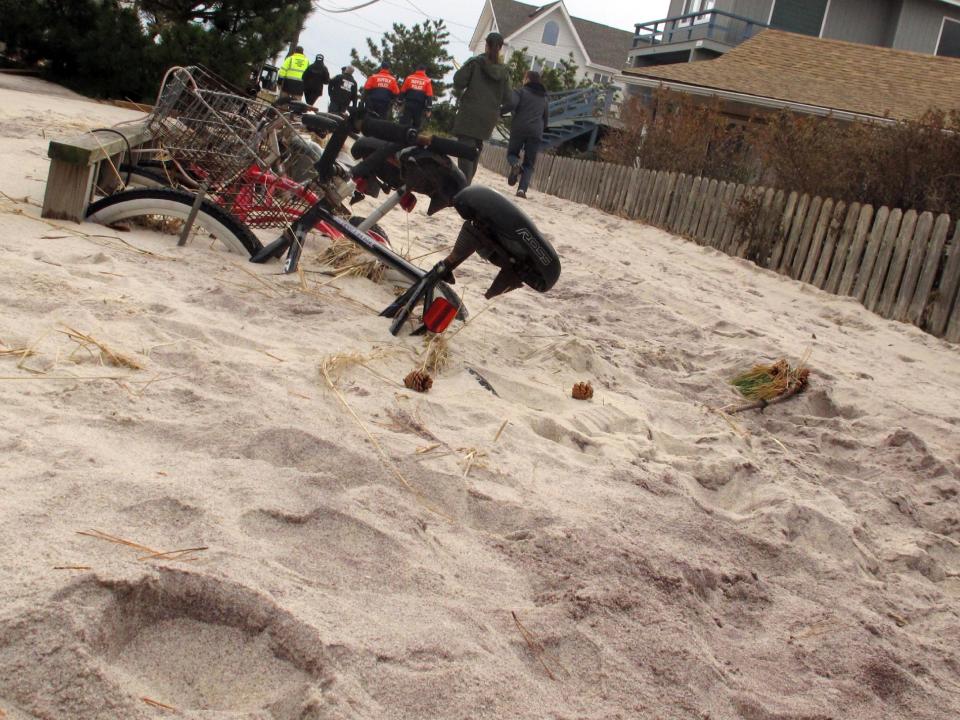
[(786, 219), (953, 327), (793, 239), (861, 236), (701, 198), (865, 269), (623, 187), (726, 215), (947, 289), (661, 199), (703, 211), (90, 148), (843, 248), (635, 194), (928, 275), (731, 231), (816, 244), (882, 262), (829, 245), (806, 236), (710, 227), (68, 191), (664, 207), (902, 277), (646, 210), (693, 197), (680, 191)]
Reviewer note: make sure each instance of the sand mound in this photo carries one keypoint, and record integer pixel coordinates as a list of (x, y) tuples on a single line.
[(633, 556)]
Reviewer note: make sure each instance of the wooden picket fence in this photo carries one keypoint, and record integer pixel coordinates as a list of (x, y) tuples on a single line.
[(899, 264)]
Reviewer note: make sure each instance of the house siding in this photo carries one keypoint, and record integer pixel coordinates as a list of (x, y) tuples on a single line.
[(861, 21), (531, 38), (919, 27)]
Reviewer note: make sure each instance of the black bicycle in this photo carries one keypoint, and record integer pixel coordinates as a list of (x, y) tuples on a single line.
[(397, 158)]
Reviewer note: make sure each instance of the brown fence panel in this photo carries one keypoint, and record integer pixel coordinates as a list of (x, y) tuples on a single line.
[(690, 203), (806, 236), (861, 236), (928, 274), (697, 209), (786, 220), (940, 316), (716, 215), (918, 235), (727, 216), (809, 266), (662, 197), (793, 238), (636, 195), (829, 245), (730, 232), (664, 207), (680, 191), (835, 273), (864, 266), (703, 210), (881, 266), (867, 284)]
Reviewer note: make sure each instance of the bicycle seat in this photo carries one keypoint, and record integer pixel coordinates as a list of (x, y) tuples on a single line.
[(299, 107), (502, 233), (321, 123), (364, 147)]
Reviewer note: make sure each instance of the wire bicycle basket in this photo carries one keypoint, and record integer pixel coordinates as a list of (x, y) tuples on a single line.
[(246, 155)]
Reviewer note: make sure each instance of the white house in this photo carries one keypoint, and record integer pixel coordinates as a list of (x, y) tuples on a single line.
[(550, 33)]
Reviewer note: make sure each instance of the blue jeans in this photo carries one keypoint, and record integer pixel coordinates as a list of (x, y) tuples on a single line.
[(530, 146)]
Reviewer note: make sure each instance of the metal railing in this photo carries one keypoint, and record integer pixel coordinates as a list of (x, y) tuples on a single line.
[(717, 25)]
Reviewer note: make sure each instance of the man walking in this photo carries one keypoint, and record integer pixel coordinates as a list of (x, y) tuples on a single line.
[(343, 91), (417, 97), (291, 73), (380, 92), (483, 83), (315, 77), (531, 116)]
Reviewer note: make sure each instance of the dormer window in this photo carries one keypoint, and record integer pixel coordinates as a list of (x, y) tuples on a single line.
[(551, 33)]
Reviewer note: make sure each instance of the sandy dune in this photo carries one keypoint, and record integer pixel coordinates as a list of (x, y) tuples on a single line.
[(800, 564)]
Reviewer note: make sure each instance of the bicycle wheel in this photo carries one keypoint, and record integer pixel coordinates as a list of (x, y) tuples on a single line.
[(377, 232), (162, 203), (137, 176)]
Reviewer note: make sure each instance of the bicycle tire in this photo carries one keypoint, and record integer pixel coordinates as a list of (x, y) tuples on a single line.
[(166, 202), (357, 220)]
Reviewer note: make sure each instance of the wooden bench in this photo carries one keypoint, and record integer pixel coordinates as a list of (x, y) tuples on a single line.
[(74, 167)]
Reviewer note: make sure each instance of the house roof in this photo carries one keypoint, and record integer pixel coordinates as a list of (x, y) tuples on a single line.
[(861, 79), (605, 45)]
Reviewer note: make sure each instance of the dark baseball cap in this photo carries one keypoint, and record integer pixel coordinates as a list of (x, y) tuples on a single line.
[(495, 38)]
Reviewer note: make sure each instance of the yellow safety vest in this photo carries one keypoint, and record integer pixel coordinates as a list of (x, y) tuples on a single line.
[(294, 66)]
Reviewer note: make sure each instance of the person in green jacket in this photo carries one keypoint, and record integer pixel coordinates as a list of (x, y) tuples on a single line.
[(291, 73), (483, 86)]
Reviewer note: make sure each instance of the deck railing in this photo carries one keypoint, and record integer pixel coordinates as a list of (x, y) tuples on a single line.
[(717, 25)]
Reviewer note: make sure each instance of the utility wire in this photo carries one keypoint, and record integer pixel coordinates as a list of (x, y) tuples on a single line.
[(346, 10)]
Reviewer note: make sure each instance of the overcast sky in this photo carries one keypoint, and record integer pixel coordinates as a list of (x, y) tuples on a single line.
[(334, 34)]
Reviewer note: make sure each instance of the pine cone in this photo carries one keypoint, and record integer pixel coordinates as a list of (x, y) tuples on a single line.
[(582, 391), (418, 380)]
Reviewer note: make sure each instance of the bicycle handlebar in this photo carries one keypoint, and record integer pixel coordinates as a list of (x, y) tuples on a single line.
[(407, 136)]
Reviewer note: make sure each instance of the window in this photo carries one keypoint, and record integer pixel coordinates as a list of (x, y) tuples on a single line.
[(949, 43), (799, 16), (551, 33), (692, 6)]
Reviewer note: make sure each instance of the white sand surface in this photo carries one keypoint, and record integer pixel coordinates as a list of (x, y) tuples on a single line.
[(798, 564)]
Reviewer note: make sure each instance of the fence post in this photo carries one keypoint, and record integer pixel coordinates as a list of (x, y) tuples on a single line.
[(877, 241), (835, 272), (881, 266), (731, 230), (949, 281), (793, 238), (928, 275), (914, 231), (725, 216), (783, 231), (806, 235), (816, 244), (829, 245)]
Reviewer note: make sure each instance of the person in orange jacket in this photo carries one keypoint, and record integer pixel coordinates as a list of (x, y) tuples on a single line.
[(417, 97), (380, 92)]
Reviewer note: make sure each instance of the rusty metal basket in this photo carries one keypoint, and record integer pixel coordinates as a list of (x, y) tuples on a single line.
[(243, 153)]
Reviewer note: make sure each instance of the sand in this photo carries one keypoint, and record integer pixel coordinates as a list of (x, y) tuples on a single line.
[(662, 561)]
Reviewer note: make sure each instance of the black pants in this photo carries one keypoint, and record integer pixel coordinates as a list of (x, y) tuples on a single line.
[(338, 107), (412, 116), (293, 88), (530, 146), (312, 93), (469, 167)]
